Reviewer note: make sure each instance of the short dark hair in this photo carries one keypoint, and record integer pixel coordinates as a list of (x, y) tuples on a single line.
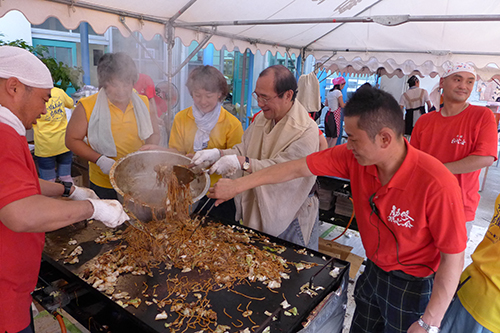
[(118, 66), (412, 81), (283, 80), (337, 86), (208, 78), (376, 109)]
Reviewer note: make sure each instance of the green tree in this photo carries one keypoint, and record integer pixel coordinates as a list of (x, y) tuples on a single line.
[(62, 74)]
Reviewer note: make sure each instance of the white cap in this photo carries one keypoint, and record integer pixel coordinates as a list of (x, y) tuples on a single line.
[(460, 67), (25, 66)]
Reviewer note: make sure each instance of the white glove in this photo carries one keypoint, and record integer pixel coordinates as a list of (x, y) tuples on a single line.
[(105, 163), (82, 193), (206, 157), (226, 165), (109, 212)]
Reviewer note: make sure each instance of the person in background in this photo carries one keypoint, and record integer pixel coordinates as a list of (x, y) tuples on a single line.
[(408, 208), (283, 131), (335, 103), (116, 121), (28, 205), (477, 307), (414, 101), (206, 125), (462, 136), (53, 157), (145, 86)]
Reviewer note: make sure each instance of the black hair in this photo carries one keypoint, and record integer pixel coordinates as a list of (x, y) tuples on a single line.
[(376, 109), (412, 81), (337, 86), (208, 78), (283, 80)]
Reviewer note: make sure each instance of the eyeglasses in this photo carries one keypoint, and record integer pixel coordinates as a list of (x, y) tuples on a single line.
[(264, 100)]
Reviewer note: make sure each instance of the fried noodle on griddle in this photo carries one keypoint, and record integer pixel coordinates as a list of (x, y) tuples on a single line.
[(225, 255)]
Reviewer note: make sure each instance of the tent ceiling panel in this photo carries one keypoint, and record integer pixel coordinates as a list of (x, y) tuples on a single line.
[(437, 31)]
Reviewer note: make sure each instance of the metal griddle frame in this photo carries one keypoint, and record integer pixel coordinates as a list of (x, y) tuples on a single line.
[(98, 313)]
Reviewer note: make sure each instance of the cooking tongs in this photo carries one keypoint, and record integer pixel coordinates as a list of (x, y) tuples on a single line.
[(134, 222), (202, 220)]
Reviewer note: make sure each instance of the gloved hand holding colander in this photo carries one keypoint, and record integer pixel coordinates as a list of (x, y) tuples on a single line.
[(204, 158), (105, 163)]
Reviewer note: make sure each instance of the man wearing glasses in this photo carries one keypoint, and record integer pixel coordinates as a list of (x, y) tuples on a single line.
[(409, 212), (282, 132)]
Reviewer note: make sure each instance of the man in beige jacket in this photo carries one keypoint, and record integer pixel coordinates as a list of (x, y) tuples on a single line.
[(282, 132)]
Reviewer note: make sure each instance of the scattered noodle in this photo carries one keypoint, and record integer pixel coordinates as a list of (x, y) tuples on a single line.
[(225, 256)]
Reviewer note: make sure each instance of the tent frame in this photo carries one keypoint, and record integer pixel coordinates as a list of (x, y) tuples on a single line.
[(204, 27), (210, 29)]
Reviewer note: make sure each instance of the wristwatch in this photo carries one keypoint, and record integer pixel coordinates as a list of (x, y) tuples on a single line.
[(67, 189), (428, 328), (246, 164)]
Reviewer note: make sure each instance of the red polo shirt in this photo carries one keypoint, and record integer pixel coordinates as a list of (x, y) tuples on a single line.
[(20, 252), (471, 132), (421, 205)]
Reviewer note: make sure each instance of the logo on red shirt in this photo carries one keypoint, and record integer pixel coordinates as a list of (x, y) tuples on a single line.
[(459, 140), (401, 218)]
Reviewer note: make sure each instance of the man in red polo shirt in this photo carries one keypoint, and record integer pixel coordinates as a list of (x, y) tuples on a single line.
[(27, 206), (408, 209), (462, 136)]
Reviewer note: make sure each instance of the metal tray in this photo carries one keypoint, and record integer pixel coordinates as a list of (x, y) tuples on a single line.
[(222, 301)]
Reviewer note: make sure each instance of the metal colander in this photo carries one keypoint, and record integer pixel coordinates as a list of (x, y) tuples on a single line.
[(134, 179)]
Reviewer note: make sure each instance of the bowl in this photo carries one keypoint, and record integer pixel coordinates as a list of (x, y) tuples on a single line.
[(134, 179)]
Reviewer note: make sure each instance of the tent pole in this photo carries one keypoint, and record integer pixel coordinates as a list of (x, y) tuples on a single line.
[(85, 52), (251, 60), (170, 45), (182, 10), (243, 78), (138, 41), (302, 60), (365, 19), (299, 69), (388, 20), (252, 41), (433, 52), (329, 32), (198, 48)]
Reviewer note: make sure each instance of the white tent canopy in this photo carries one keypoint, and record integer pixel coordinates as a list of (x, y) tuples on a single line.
[(395, 36)]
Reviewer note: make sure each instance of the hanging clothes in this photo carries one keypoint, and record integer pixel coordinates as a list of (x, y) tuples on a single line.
[(308, 94)]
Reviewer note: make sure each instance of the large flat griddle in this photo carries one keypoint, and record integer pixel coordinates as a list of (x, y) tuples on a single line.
[(223, 302)]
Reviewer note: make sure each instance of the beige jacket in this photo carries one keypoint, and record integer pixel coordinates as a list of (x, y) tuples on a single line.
[(271, 208)]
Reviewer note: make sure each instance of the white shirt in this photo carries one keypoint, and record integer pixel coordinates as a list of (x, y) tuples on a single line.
[(333, 99)]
